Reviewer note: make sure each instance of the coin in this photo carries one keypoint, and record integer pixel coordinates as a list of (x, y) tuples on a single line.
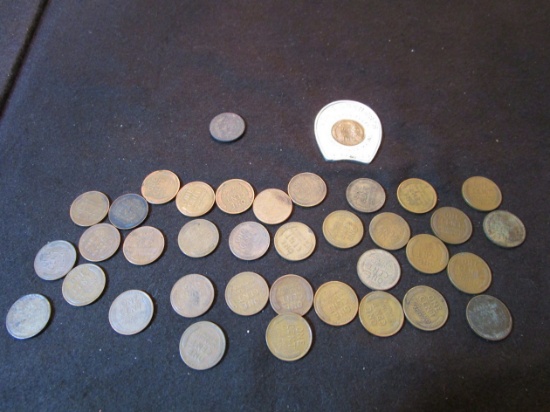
[(481, 193), (427, 254), (291, 294), (381, 314), (89, 208), (28, 316), (54, 260), (227, 127), (195, 199), (249, 241), (234, 196), (504, 229), (160, 187), (246, 293), (202, 345), (489, 317), (469, 273), (294, 241), (131, 312), (378, 269), (343, 229), (335, 303), (128, 211), (288, 337), (143, 245), (272, 206), (416, 196), (192, 295), (99, 242), (83, 285), (389, 231), (365, 195), (451, 225), (198, 238), (307, 189), (425, 308)]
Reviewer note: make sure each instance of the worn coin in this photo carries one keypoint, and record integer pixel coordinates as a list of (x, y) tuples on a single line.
[(195, 199), (425, 308), (343, 229), (451, 225), (128, 211), (489, 317), (288, 337), (389, 231), (381, 314), (89, 208), (365, 195), (28, 316), (249, 241), (294, 241), (378, 269), (307, 189), (427, 254), (143, 245), (202, 345), (192, 295), (198, 238), (504, 229), (83, 285), (227, 127), (54, 260), (160, 187), (416, 195), (272, 206), (336, 303), (131, 312), (234, 196), (99, 242), (291, 294), (246, 293), (481, 193), (469, 273)]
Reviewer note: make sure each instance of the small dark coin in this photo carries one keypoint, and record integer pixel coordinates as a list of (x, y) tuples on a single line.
[(227, 127), (504, 229), (489, 317), (128, 211)]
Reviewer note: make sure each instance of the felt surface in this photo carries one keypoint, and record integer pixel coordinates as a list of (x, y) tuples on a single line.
[(111, 91)]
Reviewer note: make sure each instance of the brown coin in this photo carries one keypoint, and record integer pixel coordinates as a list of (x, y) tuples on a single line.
[(198, 238), (336, 303), (307, 189), (249, 241), (234, 196), (192, 295), (378, 269), (427, 254), (131, 312), (272, 206), (389, 231), (202, 345), (381, 314), (143, 245), (294, 241), (489, 317), (469, 273), (227, 127), (365, 195), (451, 225), (481, 193), (416, 196), (343, 229), (83, 285), (288, 337), (160, 187), (54, 260), (195, 199), (348, 132), (504, 229), (246, 293), (425, 308), (89, 208), (291, 294), (99, 242)]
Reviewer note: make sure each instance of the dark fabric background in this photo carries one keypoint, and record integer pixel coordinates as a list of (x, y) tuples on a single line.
[(111, 91)]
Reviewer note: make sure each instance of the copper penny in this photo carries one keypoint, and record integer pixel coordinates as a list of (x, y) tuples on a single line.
[(195, 199), (272, 206), (451, 225), (427, 254), (234, 196), (99, 242), (307, 189), (89, 208), (481, 193), (389, 231), (336, 303), (160, 187), (249, 241), (294, 241), (291, 293), (343, 229), (416, 195), (143, 245)]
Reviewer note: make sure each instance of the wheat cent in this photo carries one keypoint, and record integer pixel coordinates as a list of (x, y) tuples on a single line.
[(227, 127), (335, 303), (416, 195), (343, 229), (289, 337), (294, 241), (89, 208), (198, 238), (246, 293), (99, 242), (291, 294), (83, 285), (469, 273), (143, 245), (378, 269), (504, 229), (249, 241), (365, 195), (381, 314), (160, 187), (202, 345), (128, 211), (195, 199), (389, 231), (234, 196), (307, 189), (28, 316), (131, 312), (192, 295), (54, 260), (481, 193), (272, 206), (489, 318), (451, 225), (427, 254), (425, 308)]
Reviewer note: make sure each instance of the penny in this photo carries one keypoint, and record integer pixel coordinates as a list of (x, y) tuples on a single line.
[(425, 308), (195, 199), (249, 241), (504, 229), (89, 208), (389, 231), (54, 260), (416, 196), (343, 229), (451, 225), (246, 293), (227, 127), (28, 316), (336, 303), (202, 345), (128, 211), (427, 254), (288, 337), (481, 193), (489, 318), (160, 187), (143, 245), (198, 238), (381, 314), (307, 189), (99, 242), (469, 273), (291, 294), (272, 206), (294, 241), (378, 269), (131, 312), (365, 195), (348, 132), (234, 196), (83, 285), (192, 295)]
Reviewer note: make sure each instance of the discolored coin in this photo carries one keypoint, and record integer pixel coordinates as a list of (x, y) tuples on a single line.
[(83, 285), (381, 314), (198, 238), (291, 294), (343, 229), (246, 293), (272, 206), (192, 295), (378, 269), (249, 241), (128, 211), (489, 318), (227, 127), (389, 231), (365, 195), (131, 312), (289, 337), (89, 208), (504, 229), (234, 196), (336, 303), (202, 345), (481, 193), (54, 260), (99, 242), (195, 199), (416, 195), (294, 241), (28, 316), (451, 225), (427, 254), (469, 273), (143, 245), (160, 187), (307, 189), (425, 308)]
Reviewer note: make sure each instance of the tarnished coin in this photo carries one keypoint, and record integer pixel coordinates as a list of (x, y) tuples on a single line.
[(427, 254), (469, 273), (294, 241), (192, 295), (425, 308), (291, 294), (365, 195), (451, 225), (83, 285), (198, 238), (307, 189), (128, 211), (99, 242), (288, 337), (160, 187), (89, 208), (489, 317), (131, 312), (195, 199), (28, 316), (416, 195), (227, 127), (378, 269), (202, 345), (272, 206), (249, 241), (381, 314), (143, 245), (246, 293), (504, 229), (343, 229), (54, 260), (481, 193), (336, 303), (389, 231), (234, 196)]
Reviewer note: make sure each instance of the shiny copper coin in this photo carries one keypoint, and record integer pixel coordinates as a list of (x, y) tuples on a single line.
[(227, 127), (451, 225), (365, 195), (336, 303), (195, 199), (389, 231), (54, 260), (160, 187), (99, 242), (234, 196), (381, 314), (202, 345), (28, 316), (481, 193), (294, 241), (343, 229), (289, 337), (378, 269), (307, 189), (291, 294), (348, 132), (416, 196), (128, 211), (89, 208), (246, 293), (272, 206), (504, 229), (427, 254), (249, 241), (489, 318), (198, 238), (192, 295), (131, 312), (425, 308), (143, 245), (469, 273), (83, 285)]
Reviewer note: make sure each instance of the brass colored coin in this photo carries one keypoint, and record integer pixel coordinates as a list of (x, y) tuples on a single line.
[(416, 196), (389, 231), (451, 225), (365, 195), (198, 238), (131, 312), (89, 208), (160, 187), (234, 196), (246, 293), (227, 127), (288, 337), (128, 211), (336, 303), (195, 199), (272, 206), (381, 314), (192, 295), (54, 260), (83, 285), (427, 254), (378, 269), (469, 273), (291, 294), (348, 132), (99, 242), (343, 229), (249, 241), (202, 345), (143, 245), (28, 316), (307, 189), (481, 193), (489, 318), (504, 229), (294, 241), (425, 308)]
